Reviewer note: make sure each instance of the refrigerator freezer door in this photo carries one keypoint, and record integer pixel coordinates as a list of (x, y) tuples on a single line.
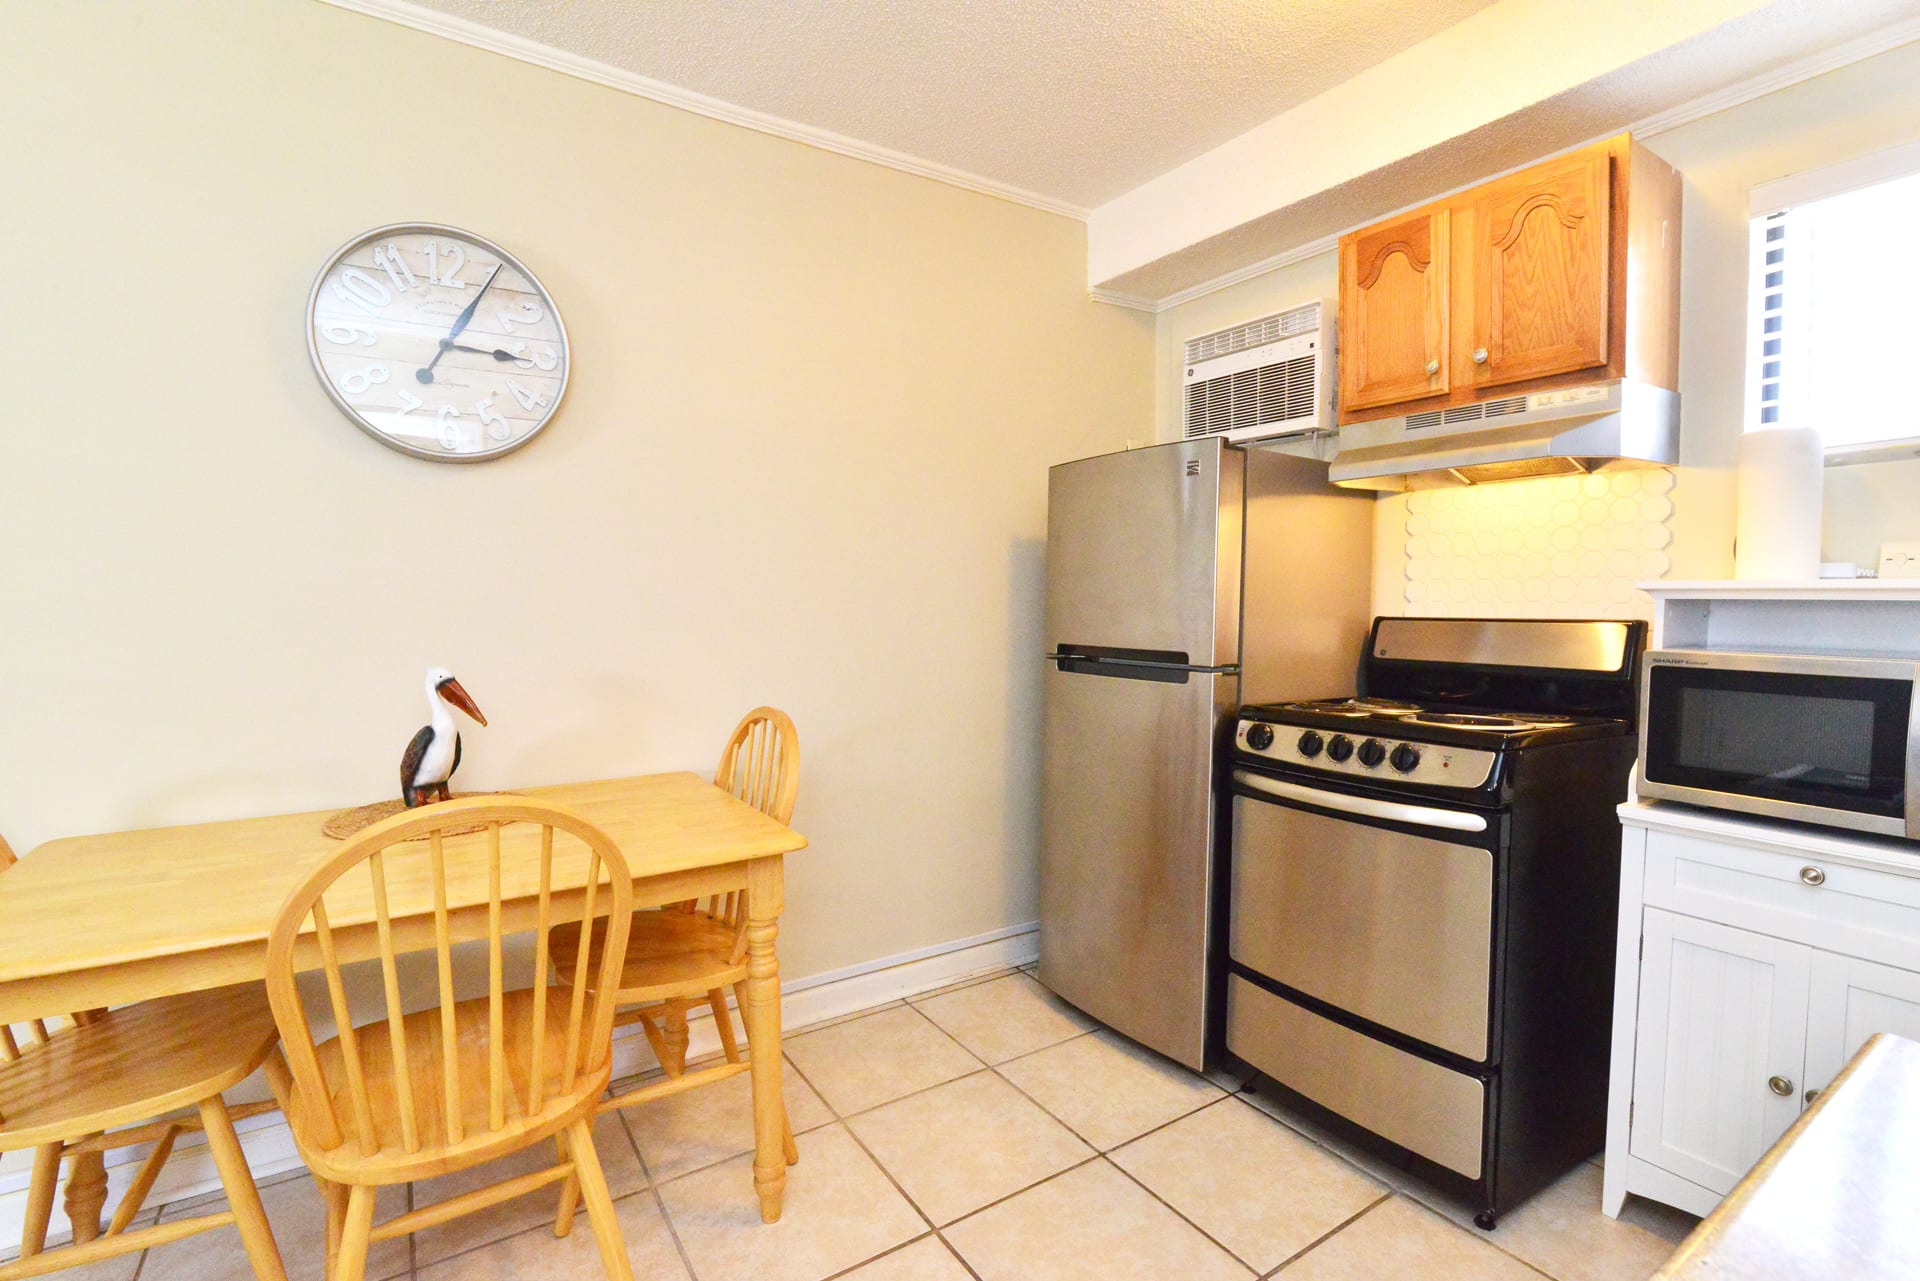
[(1143, 552), (1127, 826)]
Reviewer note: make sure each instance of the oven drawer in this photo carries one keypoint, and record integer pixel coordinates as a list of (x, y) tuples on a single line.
[(1393, 927), (1801, 897), (1439, 1113)]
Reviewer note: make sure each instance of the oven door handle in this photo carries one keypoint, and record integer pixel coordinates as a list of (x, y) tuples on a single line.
[(1365, 807)]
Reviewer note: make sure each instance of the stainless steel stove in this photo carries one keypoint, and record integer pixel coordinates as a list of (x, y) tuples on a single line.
[(1422, 895)]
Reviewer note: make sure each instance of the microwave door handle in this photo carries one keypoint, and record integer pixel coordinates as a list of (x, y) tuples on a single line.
[(1362, 806), (1912, 798)]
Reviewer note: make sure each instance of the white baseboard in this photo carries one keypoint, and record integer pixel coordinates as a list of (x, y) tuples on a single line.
[(815, 999)]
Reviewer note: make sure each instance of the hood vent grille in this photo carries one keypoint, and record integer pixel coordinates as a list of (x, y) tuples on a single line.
[(1467, 413)]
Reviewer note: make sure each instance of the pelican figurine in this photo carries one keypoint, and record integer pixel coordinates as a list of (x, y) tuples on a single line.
[(434, 754)]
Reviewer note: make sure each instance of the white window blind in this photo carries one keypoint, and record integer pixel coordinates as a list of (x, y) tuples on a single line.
[(1835, 306)]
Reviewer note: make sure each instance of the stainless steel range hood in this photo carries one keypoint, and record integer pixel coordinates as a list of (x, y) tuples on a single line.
[(1598, 426)]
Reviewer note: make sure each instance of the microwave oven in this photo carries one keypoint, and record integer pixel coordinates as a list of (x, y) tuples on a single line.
[(1815, 738)]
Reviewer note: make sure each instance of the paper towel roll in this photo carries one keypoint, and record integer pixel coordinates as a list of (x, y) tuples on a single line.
[(1782, 470)]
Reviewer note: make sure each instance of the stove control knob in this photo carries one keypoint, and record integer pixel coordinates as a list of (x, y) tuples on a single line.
[(1372, 752), (1339, 748), (1310, 744), (1405, 758), (1259, 737)]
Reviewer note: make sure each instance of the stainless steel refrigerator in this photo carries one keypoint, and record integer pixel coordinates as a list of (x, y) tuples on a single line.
[(1182, 579)]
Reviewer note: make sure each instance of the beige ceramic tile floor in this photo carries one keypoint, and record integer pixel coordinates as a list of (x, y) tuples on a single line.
[(986, 1132)]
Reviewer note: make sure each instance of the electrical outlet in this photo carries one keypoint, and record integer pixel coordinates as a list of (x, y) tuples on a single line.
[(1900, 560)]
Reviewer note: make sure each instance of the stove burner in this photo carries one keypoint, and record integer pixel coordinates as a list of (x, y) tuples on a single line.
[(1356, 707), (1469, 720)]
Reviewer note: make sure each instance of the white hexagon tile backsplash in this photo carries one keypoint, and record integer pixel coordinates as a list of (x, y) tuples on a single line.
[(1559, 547)]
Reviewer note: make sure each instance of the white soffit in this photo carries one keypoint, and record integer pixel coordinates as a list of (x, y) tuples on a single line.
[(1516, 81), (1060, 105)]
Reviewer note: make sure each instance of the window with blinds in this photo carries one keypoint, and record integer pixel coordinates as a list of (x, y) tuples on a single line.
[(1835, 312)]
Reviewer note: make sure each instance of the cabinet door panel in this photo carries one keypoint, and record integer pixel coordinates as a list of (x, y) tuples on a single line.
[(1536, 257), (1849, 1001), (1721, 1012), (1393, 311)]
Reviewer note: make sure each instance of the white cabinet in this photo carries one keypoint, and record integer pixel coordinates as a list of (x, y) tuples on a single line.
[(1723, 1023), (1849, 1000), (1754, 958)]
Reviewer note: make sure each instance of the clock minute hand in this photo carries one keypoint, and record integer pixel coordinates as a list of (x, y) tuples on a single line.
[(473, 306), (446, 344)]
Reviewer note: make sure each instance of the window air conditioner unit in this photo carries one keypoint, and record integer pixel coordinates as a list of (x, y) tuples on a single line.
[(1269, 377)]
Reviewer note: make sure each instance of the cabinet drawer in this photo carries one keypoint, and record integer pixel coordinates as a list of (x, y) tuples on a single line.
[(1854, 910)]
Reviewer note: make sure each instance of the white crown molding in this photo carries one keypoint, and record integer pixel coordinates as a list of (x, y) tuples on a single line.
[(1115, 298), (1882, 41), (1889, 37), (480, 36)]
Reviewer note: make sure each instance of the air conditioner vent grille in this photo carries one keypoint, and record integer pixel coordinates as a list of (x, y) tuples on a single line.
[(1255, 333), (1266, 396)]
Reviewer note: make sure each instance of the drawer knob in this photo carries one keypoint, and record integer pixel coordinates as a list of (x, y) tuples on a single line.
[(1780, 1085), (1812, 876), (1433, 367)]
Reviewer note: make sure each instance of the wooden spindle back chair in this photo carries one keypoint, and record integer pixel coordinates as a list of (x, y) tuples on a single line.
[(75, 1092), (410, 1095), (761, 765), (690, 954)]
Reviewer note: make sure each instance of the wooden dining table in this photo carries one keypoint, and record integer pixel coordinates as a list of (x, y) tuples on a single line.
[(93, 921)]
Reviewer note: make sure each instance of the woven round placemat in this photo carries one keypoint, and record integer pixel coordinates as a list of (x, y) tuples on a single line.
[(345, 823)]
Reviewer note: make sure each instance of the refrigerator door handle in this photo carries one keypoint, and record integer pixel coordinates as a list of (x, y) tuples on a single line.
[(1392, 811), (1136, 662)]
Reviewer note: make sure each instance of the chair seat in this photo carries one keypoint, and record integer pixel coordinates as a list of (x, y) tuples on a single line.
[(134, 1064), (426, 1068), (669, 953)]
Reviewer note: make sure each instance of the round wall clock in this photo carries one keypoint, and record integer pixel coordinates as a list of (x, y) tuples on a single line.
[(437, 342)]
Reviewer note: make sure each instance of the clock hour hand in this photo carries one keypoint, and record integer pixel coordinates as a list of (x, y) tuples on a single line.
[(460, 323)]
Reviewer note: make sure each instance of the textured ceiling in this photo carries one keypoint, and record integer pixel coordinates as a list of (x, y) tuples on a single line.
[(1077, 101)]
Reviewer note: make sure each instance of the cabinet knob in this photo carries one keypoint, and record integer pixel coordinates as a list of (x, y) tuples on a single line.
[(1812, 1095), (1812, 876), (1479, 355), (1780, 1085), (1433, 367)]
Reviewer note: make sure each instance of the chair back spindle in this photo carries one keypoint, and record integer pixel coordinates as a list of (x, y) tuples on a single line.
[(760, 765), (382, 1086)]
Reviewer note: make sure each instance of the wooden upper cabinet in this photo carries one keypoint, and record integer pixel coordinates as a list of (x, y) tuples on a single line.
[(1536, 262), (1565, 273), (1393, 311)]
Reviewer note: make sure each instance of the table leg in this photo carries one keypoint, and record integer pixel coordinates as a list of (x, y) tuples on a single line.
[(760, 1012), (86, 1194)]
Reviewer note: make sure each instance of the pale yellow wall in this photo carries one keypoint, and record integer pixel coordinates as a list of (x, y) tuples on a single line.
[(1846, 113), (803, 459)]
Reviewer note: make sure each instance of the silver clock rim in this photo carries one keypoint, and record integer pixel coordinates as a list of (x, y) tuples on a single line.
[(354, 416)]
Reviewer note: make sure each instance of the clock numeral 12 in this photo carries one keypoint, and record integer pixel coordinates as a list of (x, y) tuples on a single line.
[(457, 260)]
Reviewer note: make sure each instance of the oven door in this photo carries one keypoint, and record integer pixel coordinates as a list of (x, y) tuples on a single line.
[(1828, 740), (1379, 908)]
